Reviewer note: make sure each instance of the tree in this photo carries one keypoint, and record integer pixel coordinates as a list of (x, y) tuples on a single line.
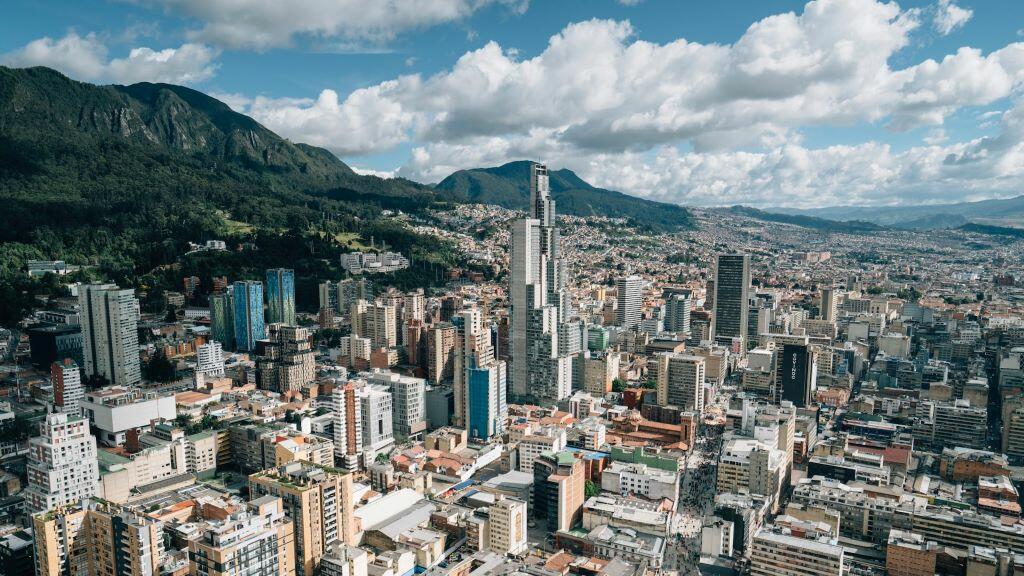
[(160, 369), (591, 489), (618, 385), (182, 420)]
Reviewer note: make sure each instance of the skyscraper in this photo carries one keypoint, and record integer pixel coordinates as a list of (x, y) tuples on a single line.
[(348, 426), (829, 304), (473, 352), (281, 296), (110, 333), (627, 293), (796, 374), (62, 466), (677, 314), (732, 291), (247, 297), (222, 319), (540, 302)]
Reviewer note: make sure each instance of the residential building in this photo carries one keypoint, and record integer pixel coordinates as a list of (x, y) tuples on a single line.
[(210, 360), (558, 490), (255, 542), (320, 503), (507, 526), (62, 466), (110, 333), (66, 379), (222, 319), (781, 553), (679, 379)]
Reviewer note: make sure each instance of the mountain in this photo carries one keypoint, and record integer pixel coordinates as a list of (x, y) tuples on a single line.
[(121, 178), (813, 222), (509, 186), (931, 216), (990, 230)]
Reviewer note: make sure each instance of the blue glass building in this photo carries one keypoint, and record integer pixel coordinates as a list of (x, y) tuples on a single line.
[(249, 325), (281, 296), (485, 388)]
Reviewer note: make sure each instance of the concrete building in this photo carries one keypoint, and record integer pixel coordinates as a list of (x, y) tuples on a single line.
[(110, 333), (68, 392), (348, 426), (680, 380), (320, 503), (628, 297), (640, 479), (507, 526), (908, 554), (558, 490), (94, 538), (441, 352), (62, 467), (677, 314), (286, 362), (115, 410), (409, 400), (210, 360), (778, 553), (254, 542), (376, 407), (747, 465)]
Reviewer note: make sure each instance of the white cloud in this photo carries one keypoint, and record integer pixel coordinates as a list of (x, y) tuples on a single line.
[(372, 172), (948, 17), (268, 23), (617, 108), (86, 58)]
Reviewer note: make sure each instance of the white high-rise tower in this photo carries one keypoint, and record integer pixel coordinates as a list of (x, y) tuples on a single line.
[(62, 466), (540, 303)]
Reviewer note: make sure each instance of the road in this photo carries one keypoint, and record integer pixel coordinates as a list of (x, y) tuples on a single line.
[(696, 496)]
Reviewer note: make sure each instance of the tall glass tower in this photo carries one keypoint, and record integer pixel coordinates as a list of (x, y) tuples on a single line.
[(249, 326), (732, 301), (222, 319), (281, 296)]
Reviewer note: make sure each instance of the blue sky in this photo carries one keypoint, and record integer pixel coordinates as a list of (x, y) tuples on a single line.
[(765, 103)]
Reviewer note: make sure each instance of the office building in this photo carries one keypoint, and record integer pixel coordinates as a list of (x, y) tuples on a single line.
[(110, 333), (777, 552), (96, 538), (222, 319), (66, 379), (376, 405), (258, 541), (628, 297), (409, 397), (731, 299), (486, 408), (114, 411), (62, 466), (281, 296), (49, 343), (320, 503), (541, 368), (750, 466), (677, 314), (558, 490), (680, 380), (829, 304), (507, 526), (796, 374), (247, 297)]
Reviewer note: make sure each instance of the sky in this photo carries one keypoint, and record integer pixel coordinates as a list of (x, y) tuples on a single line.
[(768, 103)]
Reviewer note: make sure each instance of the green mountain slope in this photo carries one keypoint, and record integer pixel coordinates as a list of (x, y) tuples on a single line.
[(509, 186), (121, 178)]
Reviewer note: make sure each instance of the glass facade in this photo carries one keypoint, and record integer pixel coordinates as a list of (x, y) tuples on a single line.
[(281, 296), (222, 320), (248, 305)]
